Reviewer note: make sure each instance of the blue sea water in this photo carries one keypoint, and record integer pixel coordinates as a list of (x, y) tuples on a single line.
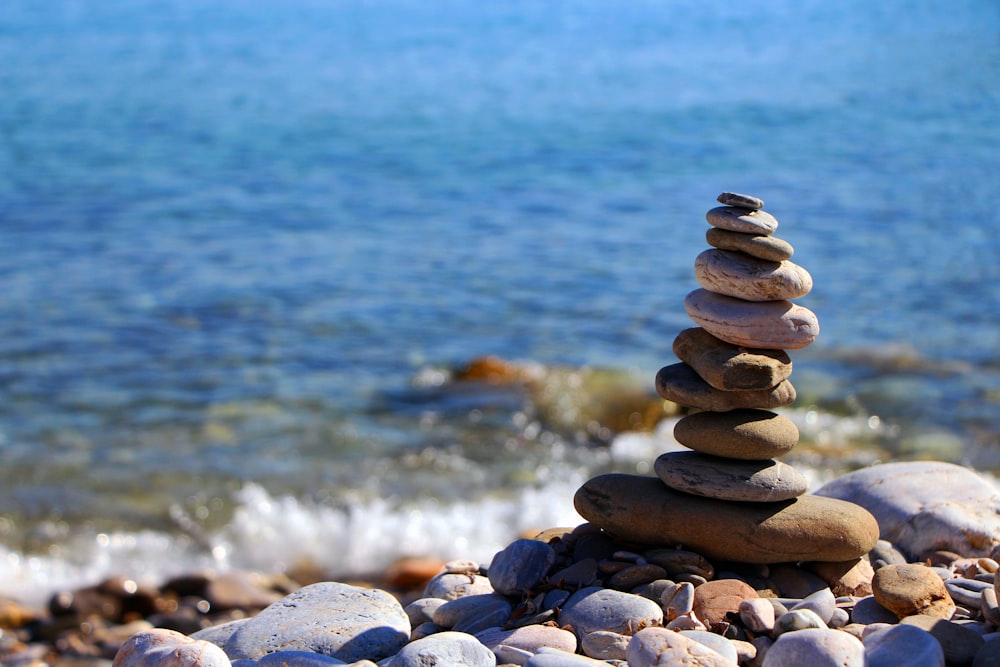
[(241, 244)]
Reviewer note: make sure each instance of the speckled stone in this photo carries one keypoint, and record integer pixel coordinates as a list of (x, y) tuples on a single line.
[(737, 219), (728, 479), (731, 367), (746, 277), (758, 245), (347, 622), (746, 434), (777, 325), (680, 384), (643, 510), (654, 647), (741, 200)]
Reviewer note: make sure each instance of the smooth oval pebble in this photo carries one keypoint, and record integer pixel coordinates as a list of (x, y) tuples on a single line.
[(592, 609), (451, 585), (643, 510), (520, 566), (715, 600), (902, 646), (548, 657), (347, 622), (759, 245), (757, 615), (960, 643), (747, 434), (867, 611), (680, 601), (727, 479), (530, 638), (796, 621), (816, 647), (822, 602), (654, 647), (738, 219), (777, 325), (167, 648), (742, 276), (421, 610), (967, 592), (445, 649), (741, 200)]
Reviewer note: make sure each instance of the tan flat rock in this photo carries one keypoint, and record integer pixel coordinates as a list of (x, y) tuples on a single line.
[(731, 367), (643, 511), (680, 384)]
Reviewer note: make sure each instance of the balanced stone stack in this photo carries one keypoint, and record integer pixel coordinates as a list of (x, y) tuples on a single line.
[(730, 498)]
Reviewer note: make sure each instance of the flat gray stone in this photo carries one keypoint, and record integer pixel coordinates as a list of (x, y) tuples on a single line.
[(924, 506), (867, 611), (594, 608), (742, 276), (347, 622), (765, 247), (728, 479), (902, 646), (821, 602), (682, 385), (738, 434), (741, 200), (445, 649), (473, 613), (451, 585), (816, 647), (548, 657), (520, 566), (738, 219), (731, 367), (775, 325)]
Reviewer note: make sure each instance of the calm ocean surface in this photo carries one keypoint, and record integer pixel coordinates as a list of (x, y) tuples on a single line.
[(242, 246)]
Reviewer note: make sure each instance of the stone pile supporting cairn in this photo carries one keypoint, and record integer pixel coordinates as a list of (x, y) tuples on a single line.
[(730, 498)]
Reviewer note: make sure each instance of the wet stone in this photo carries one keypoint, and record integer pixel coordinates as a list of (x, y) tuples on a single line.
[(731, 367), (727, 479)]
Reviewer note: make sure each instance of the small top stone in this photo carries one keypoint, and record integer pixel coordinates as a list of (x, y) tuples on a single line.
[(743, 201)]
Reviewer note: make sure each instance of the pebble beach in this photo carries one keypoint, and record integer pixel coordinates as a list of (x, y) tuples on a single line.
[(331, 333)]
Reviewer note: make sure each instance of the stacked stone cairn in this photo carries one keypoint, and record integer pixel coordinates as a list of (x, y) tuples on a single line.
[(730, 498)]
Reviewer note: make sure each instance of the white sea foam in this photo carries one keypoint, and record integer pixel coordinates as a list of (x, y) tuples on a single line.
[(273, 533)]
